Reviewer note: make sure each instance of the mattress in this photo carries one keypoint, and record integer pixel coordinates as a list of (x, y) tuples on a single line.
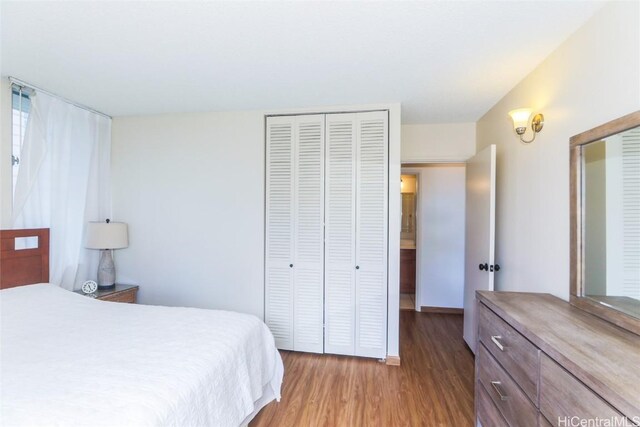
[(66, 359)]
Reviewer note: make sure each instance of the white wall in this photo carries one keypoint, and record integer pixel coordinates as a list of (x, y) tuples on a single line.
[(191, 188), (590, 79), (441, 223), (448, 142)]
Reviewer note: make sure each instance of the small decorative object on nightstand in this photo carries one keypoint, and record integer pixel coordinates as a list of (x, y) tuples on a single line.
[(89, 287), (119, 293)]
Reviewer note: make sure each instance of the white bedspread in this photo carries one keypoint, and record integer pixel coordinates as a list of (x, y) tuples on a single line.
[(67, 360)]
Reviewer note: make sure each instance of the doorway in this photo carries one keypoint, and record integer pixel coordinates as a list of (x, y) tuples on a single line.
[(408, 235), (432, 248)]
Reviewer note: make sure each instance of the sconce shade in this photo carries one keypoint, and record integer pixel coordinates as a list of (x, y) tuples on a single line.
[(520, 118), (103, 235)]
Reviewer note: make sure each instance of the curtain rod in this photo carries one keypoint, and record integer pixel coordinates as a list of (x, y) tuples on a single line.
[(37, 89)]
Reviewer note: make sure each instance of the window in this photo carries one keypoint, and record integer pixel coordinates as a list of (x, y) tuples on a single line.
[(20, 105)]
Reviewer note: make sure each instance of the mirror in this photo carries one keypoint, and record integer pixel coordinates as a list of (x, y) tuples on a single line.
[(606, 221), (611, 215), (408, 189), (408, 216)]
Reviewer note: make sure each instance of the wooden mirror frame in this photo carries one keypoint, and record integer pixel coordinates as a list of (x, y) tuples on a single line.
[(576, 291)]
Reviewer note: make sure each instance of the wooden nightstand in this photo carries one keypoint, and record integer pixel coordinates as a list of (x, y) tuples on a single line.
[(121, 293)]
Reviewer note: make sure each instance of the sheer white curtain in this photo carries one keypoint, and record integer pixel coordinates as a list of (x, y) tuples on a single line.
[(64, 182)]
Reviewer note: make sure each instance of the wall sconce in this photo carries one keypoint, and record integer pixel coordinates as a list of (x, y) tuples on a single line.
[(520, 119)]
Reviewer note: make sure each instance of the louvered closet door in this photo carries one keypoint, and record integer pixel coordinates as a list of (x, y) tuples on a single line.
[(308, 263), (631, 213), (340, 228), (371, 234), (279, 225)]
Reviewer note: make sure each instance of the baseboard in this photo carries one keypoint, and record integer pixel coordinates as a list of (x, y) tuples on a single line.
[(441, 310), (393, 360)]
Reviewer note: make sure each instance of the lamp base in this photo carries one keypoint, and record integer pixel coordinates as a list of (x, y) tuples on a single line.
[(107, 288), (106, 271)]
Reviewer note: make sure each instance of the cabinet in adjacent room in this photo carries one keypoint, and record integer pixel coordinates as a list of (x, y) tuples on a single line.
[(327, 232), (407, 271)]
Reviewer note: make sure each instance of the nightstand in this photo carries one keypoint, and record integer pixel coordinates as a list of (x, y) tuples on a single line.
[(121, 293)]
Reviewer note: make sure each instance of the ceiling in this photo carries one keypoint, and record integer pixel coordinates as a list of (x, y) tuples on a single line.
[(445, 61)]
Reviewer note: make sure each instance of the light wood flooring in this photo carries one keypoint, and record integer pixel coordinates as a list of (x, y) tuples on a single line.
[(407, 302), (432, 387)]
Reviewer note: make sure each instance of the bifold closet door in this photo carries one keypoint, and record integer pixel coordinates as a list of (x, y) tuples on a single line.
[(294, 231), (308, 260), (372, 184), (340, 232), (356, 211), (279, 230)]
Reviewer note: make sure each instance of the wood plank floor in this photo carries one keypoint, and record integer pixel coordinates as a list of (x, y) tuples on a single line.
[(432, 387)]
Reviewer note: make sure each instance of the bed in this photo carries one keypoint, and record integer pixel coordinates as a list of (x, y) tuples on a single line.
[(66, 359)]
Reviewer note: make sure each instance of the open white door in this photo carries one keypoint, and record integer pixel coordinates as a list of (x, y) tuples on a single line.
[(479, 235)]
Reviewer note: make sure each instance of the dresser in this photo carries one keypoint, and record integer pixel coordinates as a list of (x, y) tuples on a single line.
[(543, 362)]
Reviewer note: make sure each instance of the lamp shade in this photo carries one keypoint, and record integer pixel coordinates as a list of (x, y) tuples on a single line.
[(107, 235), (520, 117)]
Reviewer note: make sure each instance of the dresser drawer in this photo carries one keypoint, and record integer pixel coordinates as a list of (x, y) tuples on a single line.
[(562, 395), (510, 400), (544, 422), (487, 413), (516, 354)]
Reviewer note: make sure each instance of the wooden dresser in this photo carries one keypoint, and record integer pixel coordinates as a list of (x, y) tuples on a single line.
[(542, 362)]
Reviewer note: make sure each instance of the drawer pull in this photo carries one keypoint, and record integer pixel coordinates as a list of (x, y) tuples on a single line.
[(496, 340), (496, 386)]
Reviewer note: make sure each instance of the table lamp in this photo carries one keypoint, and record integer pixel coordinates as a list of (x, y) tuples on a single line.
[(107, 236)]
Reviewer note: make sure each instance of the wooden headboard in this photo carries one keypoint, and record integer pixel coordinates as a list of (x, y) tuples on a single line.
[(23, 266)]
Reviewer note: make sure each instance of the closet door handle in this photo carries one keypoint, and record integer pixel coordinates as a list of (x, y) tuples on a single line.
[(357, 267), (496, 386), (291, 265), (484, 266)]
